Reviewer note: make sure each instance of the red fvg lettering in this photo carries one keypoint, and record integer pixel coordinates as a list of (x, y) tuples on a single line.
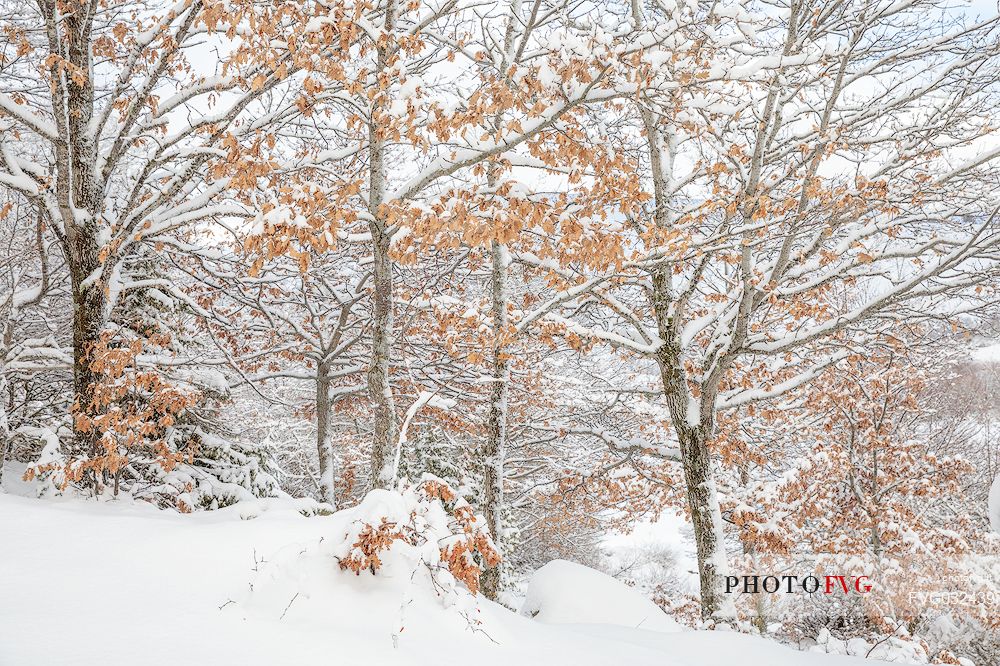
[(859, 585)]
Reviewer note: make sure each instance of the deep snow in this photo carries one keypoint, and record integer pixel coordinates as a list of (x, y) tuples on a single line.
[(105, 584)]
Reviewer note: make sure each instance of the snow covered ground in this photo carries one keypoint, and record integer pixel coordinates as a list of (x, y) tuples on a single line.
[(102, 584)]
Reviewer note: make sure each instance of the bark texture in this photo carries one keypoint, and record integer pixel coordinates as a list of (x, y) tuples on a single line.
[(495, 450), (324, 442)]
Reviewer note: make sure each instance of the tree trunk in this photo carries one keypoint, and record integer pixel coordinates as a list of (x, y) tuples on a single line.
[(759, 619), (79, 198), (693, 427), (706, 518), (692, 423), (495, 451), (4, 427), (5, 434), (324, 443), (379, 380), (702, 500), (88, 323)]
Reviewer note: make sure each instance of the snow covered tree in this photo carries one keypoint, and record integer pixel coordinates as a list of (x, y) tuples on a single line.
[(279, 323), (125, 143), (455, 146), (803, 190)]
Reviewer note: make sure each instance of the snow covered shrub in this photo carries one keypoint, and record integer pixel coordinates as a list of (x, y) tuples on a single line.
[(290, 439), (915, 609), (431, 451), (156, 437), (570, 526), (872, 485), (896, 647), (950, 638), (426, 521), (901, 616), (221, 473), (129, 422)]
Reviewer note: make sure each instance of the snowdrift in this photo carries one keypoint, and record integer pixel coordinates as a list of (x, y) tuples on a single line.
[(563, 592), (84, 583)]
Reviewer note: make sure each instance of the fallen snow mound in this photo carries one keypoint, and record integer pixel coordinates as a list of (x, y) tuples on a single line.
[(564, 592)]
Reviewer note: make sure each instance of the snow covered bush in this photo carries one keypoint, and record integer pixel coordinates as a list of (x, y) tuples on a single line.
[(429, 450), (896, 647), (222, 472), (129, 423), (218, 473), (429, 524), (156, 437)]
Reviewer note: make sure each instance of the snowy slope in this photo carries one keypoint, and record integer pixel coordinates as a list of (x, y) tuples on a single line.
[(98, 584)]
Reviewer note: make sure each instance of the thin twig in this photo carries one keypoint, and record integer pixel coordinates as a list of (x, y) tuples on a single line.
[(288, 606)]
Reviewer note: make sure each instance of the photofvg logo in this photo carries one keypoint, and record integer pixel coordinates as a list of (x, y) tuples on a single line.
[(910, 585), (794, 584)]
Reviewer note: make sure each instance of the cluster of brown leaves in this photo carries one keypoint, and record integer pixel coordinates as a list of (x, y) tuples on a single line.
[(371, 541), (468, 546), (132, 409)]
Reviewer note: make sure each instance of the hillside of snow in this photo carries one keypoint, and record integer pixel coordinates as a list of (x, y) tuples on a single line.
[(102, 584)]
